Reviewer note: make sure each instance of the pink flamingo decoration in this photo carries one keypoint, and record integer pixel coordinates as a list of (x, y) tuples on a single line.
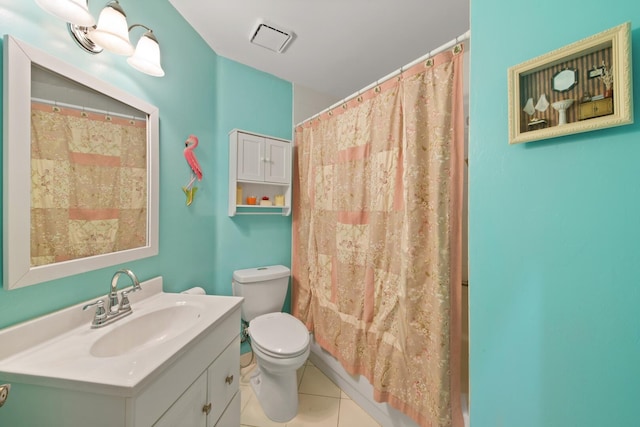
[(196, 172)]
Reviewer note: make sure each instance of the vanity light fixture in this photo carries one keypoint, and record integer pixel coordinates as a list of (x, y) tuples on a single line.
[(146, 57), (111, 33), (74, 11)]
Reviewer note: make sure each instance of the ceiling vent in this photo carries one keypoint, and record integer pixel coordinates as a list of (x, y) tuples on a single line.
[(271, 37)]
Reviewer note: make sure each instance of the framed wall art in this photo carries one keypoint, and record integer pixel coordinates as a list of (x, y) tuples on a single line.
[(581, 87)]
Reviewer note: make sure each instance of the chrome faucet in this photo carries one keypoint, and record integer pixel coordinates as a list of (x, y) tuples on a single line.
[(113, 305), (116, 308)]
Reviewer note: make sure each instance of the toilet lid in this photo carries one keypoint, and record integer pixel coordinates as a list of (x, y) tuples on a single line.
[(279, 334)]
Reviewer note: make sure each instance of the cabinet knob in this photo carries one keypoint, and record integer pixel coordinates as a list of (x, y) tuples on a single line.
[(207, 408), (229, 379)]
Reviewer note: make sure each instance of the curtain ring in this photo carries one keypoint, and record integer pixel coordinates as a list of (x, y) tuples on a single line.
[(429, 62), (457, 49), (377, 89), (330, 113), (359, 99)]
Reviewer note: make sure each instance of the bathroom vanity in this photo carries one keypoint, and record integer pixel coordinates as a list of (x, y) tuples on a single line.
[(173, 362)]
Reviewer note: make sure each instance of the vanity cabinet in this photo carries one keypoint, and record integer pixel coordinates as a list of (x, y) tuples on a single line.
[(200, 386), (207, 374), (259, 166), (191, 379), (591, 109), (213, 394)]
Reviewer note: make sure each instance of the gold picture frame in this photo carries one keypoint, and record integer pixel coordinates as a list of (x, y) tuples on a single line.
[(571, 96)]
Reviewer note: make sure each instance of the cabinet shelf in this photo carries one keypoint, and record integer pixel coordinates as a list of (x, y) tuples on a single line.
[(261, 207)]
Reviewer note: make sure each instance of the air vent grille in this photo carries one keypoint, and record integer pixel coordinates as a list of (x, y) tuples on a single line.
[(271, 37)]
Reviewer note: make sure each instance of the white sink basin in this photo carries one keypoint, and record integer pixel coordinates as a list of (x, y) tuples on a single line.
[(561, 108), (62, 350), (147, 330)]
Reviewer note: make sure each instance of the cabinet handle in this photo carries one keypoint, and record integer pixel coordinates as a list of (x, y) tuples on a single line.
[(229, 379), (207, 408)]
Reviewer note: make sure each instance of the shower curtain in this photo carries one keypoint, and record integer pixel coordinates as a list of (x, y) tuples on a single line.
[(377, 236), (88, 183)]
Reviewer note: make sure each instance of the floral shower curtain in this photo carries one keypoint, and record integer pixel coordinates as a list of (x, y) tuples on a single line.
[(88, 183), (377, 236)]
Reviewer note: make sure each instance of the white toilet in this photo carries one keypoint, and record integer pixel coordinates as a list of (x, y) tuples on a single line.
[(279, 341)]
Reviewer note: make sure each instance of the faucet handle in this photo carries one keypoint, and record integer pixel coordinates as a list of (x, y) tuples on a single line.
[(101, 315), (125, 305)]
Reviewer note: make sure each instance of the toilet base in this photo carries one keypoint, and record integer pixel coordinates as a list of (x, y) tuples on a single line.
[(277, 394)]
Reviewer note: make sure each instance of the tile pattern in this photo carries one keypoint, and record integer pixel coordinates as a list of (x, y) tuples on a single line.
[(320, 403)]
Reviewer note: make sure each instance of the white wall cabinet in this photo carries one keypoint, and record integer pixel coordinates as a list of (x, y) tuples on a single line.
[(259, 166)]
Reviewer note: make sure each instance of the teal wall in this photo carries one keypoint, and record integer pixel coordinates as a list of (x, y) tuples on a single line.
[(554, 238), (201, 94), (257, 102)]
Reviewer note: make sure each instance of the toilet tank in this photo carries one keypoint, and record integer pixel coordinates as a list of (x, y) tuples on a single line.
[(264, 289)]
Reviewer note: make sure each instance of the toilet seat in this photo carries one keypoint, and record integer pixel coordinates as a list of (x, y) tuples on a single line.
[(279, 335)]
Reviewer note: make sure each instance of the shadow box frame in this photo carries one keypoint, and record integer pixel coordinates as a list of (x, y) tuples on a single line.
[(619, 39)]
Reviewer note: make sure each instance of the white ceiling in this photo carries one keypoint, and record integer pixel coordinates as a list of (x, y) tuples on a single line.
[(340, 46)]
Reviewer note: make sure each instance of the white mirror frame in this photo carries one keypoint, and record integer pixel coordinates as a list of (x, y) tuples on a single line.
[(17, 269)]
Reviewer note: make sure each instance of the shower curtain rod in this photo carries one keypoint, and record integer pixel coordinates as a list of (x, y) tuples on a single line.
[(462, 37), (80, 107)]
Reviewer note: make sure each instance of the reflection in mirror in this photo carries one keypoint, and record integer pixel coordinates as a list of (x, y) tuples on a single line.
[(88, 172), (90, 196), (565, 80)]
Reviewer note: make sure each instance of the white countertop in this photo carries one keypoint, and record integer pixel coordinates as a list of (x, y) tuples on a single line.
[(54, 350)]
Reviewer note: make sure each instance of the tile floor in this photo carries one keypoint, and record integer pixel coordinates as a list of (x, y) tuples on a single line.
[(320, 403)]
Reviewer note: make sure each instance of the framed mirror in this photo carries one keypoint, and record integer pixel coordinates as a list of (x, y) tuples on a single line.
[(565, 80), (80, 170)]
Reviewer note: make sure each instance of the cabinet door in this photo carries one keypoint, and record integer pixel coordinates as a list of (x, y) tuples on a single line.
[(189, 409), (585, 110), (251, 157), (277, 161), (231, 416), (224, 376), (603, 107)]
